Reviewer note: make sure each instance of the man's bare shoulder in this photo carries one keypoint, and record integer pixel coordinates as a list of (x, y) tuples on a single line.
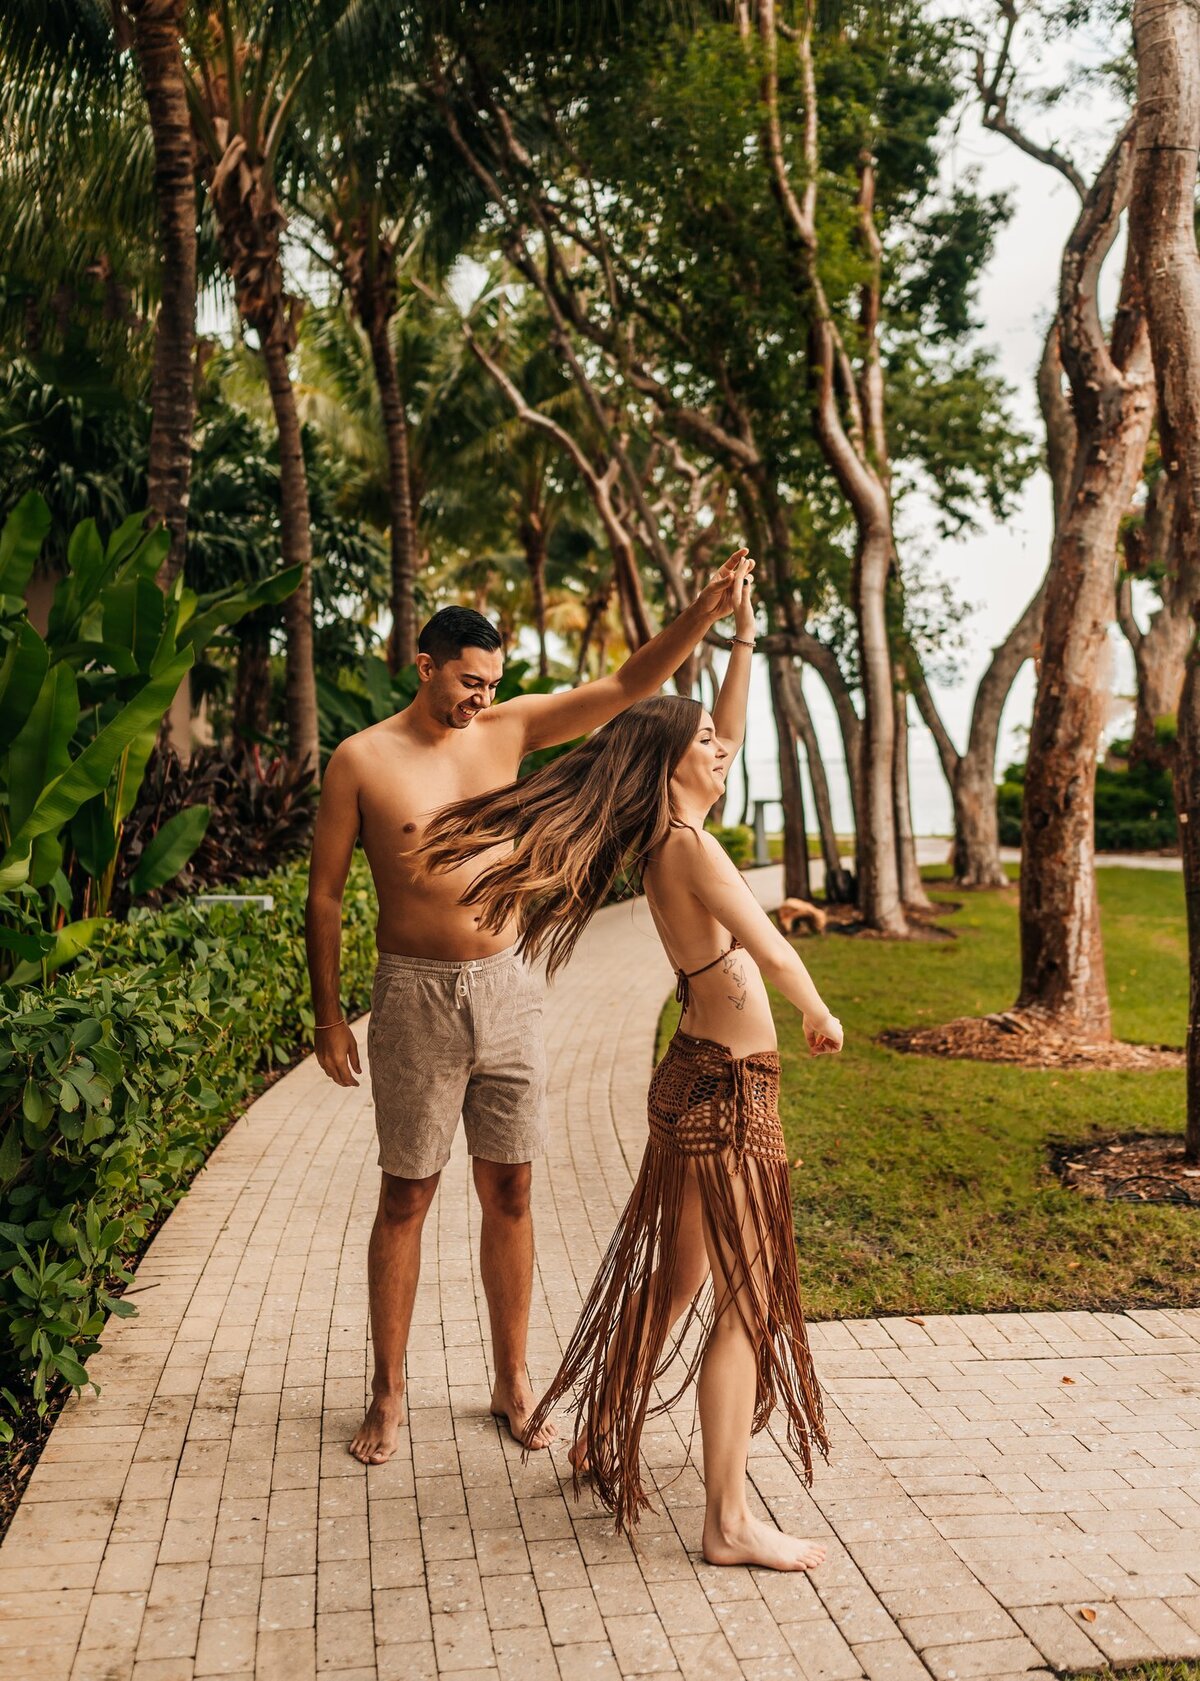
[(354, 757)]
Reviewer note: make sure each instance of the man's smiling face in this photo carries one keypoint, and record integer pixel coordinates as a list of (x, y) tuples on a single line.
[(462, 687)]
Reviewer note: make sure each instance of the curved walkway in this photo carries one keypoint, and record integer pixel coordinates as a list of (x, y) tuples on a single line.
[(994, 1475)]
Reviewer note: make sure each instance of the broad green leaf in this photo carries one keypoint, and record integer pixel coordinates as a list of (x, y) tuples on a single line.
[(133, 618), (10, 1155), (25, 942), (379, 688), (126, 540), (14, 866), (21, 541), (170, 849), (41, 752), (70, 1368), (90, 772), (214, 612), (68, 943), (93, 836), (84, 578), (147, 557), (45, 861), (21, 676)]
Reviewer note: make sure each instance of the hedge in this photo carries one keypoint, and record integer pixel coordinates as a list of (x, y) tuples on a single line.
[(117, 1077)]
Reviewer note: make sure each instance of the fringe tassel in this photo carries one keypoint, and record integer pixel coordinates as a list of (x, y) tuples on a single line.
[(620, 1347)]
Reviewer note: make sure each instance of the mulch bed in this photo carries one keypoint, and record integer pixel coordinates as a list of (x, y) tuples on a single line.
[(18, 1457), (1012, 1038), (845, 919), (1133, 1168)]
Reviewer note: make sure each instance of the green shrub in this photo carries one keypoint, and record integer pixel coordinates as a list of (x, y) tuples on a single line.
[(1135, 809), (737, 839), (117, 1077)]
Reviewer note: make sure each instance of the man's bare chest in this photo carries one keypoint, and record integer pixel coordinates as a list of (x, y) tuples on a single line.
[(399, 796)]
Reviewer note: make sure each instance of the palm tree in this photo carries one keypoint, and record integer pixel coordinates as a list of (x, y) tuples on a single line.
[(66, 68)]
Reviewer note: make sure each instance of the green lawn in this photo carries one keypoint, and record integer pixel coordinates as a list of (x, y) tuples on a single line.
[(924, 1184)]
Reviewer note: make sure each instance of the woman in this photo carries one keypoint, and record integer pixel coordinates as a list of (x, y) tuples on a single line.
[(712, 1197)]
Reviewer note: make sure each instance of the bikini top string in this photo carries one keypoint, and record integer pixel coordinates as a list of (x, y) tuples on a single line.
[(683, 991)]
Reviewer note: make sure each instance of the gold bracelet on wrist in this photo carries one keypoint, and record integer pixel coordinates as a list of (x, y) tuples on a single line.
[(742, 640), (324, 1026)]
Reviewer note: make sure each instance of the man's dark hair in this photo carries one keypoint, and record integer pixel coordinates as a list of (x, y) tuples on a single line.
[(456, 628)]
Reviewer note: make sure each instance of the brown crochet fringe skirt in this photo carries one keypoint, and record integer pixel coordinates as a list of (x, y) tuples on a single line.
[(720, 1115)]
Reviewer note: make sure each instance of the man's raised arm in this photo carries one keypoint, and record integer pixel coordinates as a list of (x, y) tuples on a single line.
[(333, 846), (551, 719)]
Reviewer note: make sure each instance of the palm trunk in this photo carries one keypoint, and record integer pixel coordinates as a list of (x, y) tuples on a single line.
[(300, 687), (252, 681), (172, 392), (533, 541), (402, 644), (796, 880), (912, 889), (1162, 231), (1062, 954)]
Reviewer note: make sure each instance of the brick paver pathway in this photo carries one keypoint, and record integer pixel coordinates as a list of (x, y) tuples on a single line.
[(994, 1474)]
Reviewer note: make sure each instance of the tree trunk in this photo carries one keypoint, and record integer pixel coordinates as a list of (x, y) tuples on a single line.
[(533, 540), (252, 682), (977, 827), (824, 662), (840, 885), (300, 688), (879, 897), (402, 643), (1163, 232), (1160, 651), (172, 391), (796, 880), (1062, 954), (912, 889), (971, 776)]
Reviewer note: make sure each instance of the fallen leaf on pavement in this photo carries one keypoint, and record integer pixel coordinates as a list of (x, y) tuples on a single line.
[(1086, 1612), (913, 1320), (1068, 1380)]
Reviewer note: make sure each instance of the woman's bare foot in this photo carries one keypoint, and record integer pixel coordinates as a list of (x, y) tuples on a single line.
[(750, 1541), (375, 1442), (577, 1453), (515, 1408)]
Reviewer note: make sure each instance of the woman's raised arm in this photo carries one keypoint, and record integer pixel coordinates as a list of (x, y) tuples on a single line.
[(729, 712)]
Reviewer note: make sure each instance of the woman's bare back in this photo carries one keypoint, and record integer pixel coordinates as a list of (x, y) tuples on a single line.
[(728, 1001)]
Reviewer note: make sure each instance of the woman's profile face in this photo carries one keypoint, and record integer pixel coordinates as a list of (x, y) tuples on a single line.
[(700, 775)]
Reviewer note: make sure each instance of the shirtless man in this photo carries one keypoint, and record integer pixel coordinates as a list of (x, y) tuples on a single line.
[(455, 1015)]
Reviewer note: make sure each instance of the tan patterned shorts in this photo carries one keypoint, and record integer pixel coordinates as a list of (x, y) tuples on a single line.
[(450, 1038)]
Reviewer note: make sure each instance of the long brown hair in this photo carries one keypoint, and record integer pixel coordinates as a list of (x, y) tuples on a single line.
[(572, 826)]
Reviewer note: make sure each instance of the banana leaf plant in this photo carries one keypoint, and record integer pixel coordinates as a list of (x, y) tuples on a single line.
[(80, 711)]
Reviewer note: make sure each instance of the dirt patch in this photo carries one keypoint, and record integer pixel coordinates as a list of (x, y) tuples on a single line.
[(1133, 1168), (1014, 1039), (923, 926)]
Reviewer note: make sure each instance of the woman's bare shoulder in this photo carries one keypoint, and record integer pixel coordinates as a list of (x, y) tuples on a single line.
[(690, 853)]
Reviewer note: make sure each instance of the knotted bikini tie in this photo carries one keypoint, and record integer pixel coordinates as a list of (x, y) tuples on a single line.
[(683, 992)]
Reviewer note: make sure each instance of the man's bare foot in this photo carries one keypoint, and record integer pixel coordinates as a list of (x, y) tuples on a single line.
[(376, 1439), (750, 1541), (515, 1407)]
